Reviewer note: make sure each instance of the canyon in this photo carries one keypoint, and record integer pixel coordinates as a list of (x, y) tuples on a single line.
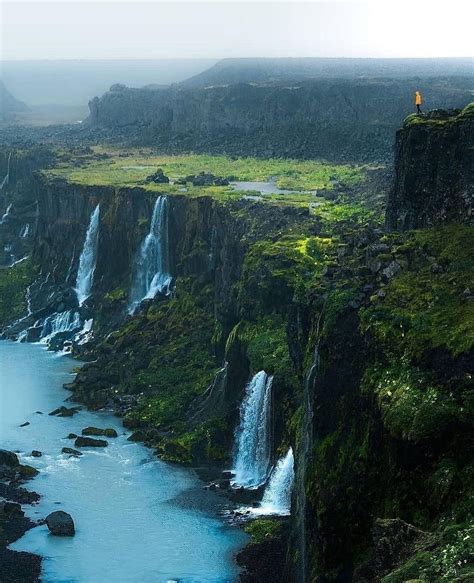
[(322, 349)]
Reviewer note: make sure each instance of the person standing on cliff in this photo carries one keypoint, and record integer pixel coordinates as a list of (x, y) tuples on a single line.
[(418, 101)]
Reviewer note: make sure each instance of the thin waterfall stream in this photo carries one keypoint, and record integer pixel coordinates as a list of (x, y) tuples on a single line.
[(88, 259), (151, 273)]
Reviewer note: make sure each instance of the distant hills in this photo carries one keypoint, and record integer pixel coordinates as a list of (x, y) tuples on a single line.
[(9, 105), (232, 71)]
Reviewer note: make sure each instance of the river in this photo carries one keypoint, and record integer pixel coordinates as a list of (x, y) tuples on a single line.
[(137, 518)]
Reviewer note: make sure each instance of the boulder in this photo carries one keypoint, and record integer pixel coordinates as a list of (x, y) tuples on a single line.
[(8, 508), (158, 177), (71, 436), (8, 458), (65, 411), (36, 453), (90, 442), (60, 523), (97, 431), (71, 451), (25, 424), (392, 270), (27, 472)]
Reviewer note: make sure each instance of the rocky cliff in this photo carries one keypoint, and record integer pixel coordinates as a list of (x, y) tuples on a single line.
[(434, 170), (339, 119), (369, 337)]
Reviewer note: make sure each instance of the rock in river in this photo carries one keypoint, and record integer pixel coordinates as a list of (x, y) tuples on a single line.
[(97, 431), (71, 451), (60, 523), (65, 411), (89, 442)]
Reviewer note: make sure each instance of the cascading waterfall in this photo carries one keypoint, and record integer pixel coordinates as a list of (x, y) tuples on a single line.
[(88, 259), (253, 437), (151, 274), (6, 213), (277, 496), (7, 175), (68, 321)]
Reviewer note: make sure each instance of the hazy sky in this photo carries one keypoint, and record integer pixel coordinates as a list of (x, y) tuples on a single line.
[(86, 29)]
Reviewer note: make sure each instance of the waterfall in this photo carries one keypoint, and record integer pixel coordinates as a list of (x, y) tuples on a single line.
[(85, 334), (7, 212), (252, 457), (277, 495), (25, 231), (151, 274), (88, 259), (7, 175), (68, 321)]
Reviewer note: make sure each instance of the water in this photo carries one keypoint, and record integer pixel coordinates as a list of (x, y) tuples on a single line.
[(151, 274), (7, 175), (277, 496), (25, 231), (88, 259), (137, 518), (253, 437), (6, 213), (58, 323), (269, 187)]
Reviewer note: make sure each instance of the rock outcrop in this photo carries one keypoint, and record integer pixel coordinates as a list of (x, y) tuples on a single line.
[(339, 119), (434, 171)]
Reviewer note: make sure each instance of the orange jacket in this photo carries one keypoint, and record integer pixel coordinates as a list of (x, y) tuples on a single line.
[(417, 98)]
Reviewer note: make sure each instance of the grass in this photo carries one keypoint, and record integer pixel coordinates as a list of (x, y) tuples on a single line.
[(127, 169)]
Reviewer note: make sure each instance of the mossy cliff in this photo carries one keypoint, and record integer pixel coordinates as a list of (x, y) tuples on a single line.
[(434, 168), (369, 335)]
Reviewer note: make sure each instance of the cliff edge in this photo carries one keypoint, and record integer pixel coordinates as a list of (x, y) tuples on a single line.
[(434, 170)]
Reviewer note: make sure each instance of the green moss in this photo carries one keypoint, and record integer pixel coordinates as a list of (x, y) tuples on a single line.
[(449, 561), (261, 529), (13, 283), (424, 306), (117, 294), (412, 405)]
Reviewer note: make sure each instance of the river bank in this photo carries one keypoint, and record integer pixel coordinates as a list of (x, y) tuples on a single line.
[(121, 498)]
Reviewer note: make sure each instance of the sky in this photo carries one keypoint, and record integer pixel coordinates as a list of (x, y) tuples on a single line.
[(117, 29)]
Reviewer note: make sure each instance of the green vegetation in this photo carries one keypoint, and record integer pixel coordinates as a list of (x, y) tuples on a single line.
[(426, 306), (261, 529), (415, 119), (413, 406), (128, 169), (450, 561), (13, 283)]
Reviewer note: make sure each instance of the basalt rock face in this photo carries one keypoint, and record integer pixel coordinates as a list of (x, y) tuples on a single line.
[(434, 171), (379, 419), (19, 201), (329, 118)]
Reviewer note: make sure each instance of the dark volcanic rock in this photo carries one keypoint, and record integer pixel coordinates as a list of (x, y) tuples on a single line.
[(158, 177), (65, 411), (60, 523), (90, 442), (97, 431), (36, 453), (434, 171), (71, 451), (8, 458), (303, 120)]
